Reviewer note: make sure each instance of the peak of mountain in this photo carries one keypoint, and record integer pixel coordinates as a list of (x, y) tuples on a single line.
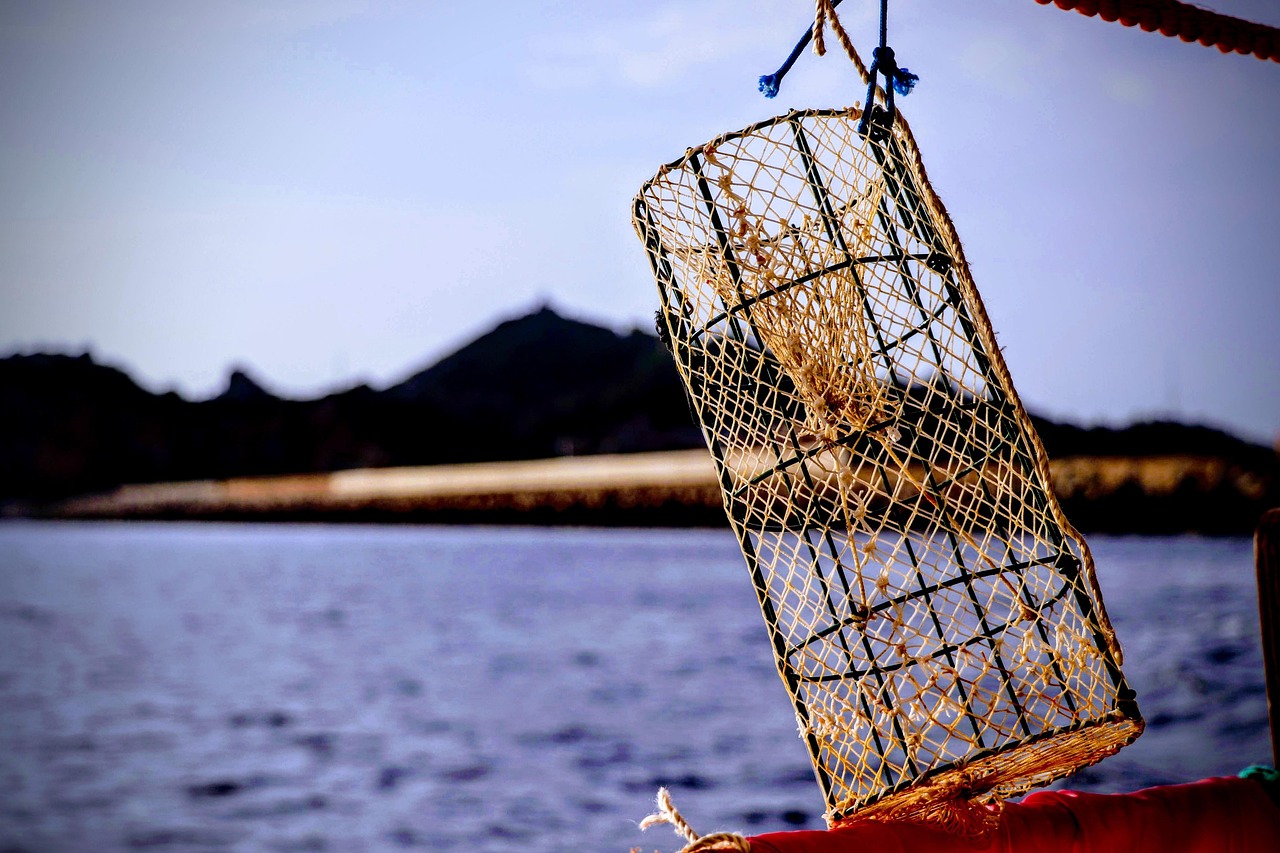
[(543, 384), (241, 388), (535, 346)]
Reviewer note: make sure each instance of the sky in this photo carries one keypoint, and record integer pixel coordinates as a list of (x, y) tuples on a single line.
[(327, 192)]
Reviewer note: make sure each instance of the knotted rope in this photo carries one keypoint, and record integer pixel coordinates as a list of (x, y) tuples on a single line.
[(667, 813)]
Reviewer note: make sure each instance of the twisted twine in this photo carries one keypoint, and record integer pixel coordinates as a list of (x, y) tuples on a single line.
[(824, 13), (667, 813)]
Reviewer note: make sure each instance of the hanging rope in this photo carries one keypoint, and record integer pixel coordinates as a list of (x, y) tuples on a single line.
[(1171, 18), (826, 13)]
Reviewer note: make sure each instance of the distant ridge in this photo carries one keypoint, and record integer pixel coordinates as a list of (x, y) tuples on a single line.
[(536, 386)]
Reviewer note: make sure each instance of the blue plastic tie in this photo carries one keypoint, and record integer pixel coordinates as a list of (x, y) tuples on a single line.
[(904, 81)]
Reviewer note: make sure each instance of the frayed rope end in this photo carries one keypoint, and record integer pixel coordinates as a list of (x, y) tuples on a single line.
[(904, 81), (667, 813)]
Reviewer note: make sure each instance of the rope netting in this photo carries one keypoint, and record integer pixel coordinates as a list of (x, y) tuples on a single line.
[(933, 615)]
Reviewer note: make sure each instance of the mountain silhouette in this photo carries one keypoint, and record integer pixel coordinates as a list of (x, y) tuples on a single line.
[(535, 386)]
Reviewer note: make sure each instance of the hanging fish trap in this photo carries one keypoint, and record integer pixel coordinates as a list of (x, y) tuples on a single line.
[(934, 617)]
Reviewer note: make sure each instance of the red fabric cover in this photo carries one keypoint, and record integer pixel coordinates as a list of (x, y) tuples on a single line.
[(1224, 815)]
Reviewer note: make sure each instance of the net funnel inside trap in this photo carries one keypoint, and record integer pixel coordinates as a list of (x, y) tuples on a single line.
[(934, 617)]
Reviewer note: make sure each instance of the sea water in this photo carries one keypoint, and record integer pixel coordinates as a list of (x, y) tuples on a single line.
[(178, 687)]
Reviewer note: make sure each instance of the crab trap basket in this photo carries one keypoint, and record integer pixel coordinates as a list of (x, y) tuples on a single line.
[(933, 615)]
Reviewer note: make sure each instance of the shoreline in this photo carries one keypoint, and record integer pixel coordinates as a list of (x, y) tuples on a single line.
[(1157, 494)]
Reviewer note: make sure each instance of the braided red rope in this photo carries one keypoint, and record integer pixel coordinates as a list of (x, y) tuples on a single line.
[(1187, 22)]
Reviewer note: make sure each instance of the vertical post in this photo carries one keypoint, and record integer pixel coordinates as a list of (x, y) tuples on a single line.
[(1266, 552)]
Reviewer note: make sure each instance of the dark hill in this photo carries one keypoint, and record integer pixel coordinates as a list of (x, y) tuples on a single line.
[(540, 385), (68, 424), (543, 385), (1150, 438)]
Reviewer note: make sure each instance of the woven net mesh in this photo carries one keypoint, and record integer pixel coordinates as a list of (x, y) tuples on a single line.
[(934, 617)]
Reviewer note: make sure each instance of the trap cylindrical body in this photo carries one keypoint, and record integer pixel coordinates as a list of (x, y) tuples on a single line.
[(934, 617)]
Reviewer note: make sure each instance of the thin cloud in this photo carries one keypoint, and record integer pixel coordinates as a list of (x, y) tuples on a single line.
[(658, 46)]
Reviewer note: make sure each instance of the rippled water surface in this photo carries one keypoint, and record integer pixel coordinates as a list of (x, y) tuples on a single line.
[(180, 687)]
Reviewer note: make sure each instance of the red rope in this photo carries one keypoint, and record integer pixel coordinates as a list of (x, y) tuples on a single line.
[(1187, 22)]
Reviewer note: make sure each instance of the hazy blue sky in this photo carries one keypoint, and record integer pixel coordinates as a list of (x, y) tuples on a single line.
[(330, 191)]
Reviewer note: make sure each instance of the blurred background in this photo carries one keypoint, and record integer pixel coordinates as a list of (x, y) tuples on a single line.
[(255, 256)]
